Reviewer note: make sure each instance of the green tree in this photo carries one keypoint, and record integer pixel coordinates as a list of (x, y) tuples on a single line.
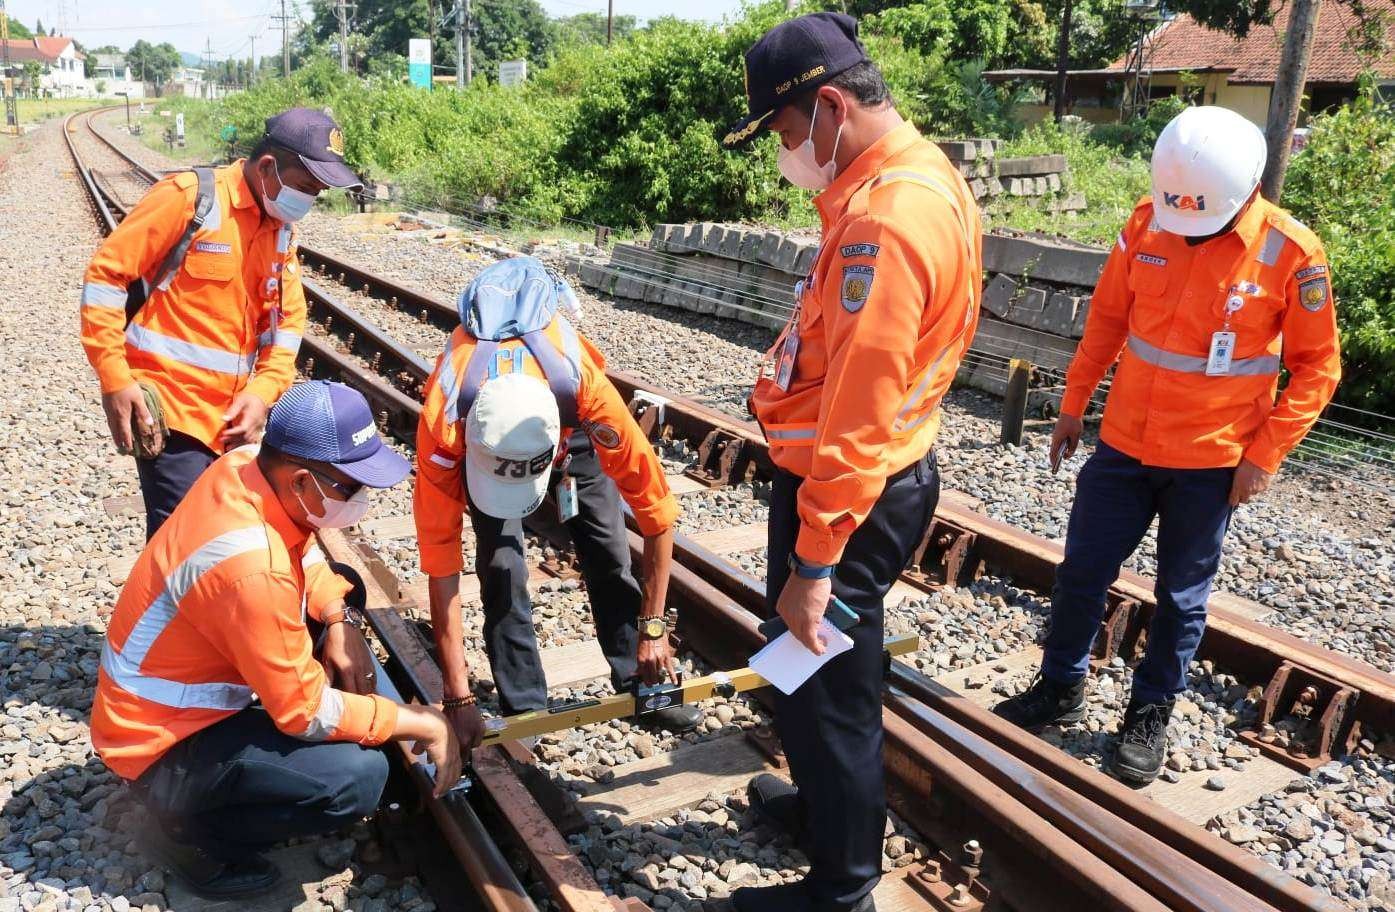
[(589, 28), (39, 28), (89, 63), (19, 30), (511, 31), (32, 72), (154, 63)]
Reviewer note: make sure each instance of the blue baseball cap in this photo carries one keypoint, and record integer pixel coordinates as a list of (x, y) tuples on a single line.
[(331, 423), (790, 59), (317, 139)]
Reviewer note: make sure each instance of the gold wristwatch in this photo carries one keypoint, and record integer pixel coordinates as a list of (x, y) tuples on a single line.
[(652, 628)]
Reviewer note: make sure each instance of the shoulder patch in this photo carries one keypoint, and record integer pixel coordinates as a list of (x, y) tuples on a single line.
[(1313, 294), (855, 250), (1318, 269), (601, 434), (857, 286)]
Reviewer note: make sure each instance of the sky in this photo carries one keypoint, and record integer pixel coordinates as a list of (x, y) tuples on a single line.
[(232, 26)]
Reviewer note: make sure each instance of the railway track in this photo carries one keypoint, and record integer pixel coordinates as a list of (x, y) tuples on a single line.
[(955, 772)]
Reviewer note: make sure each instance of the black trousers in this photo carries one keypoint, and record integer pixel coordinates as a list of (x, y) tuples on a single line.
[(602, 547), (831, 727), (165, 479), (241, 785)]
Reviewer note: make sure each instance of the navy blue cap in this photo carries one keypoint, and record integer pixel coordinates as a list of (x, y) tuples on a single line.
[(332, 423), (317, 139), (791, 58)]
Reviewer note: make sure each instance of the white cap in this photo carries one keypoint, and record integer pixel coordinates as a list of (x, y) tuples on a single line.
[(1206, 163), (511, 438)]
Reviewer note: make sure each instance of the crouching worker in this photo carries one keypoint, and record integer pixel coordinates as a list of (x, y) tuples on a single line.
[(516, 380), (210, 700)]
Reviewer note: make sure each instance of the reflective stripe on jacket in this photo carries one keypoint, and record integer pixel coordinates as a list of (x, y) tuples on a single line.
[(213, 614), (625, 454), (884, 319), (210, 333), (1155, 309)]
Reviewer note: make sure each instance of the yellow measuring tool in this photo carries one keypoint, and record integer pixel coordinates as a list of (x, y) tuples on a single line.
[(645, 701)]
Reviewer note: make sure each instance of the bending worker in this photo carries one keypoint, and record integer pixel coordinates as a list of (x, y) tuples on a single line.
[(192, 309), (1209, 291), (214, 618), (515, 379), (851, 413)]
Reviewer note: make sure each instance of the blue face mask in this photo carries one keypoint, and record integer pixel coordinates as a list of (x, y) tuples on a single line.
[(290, 205)]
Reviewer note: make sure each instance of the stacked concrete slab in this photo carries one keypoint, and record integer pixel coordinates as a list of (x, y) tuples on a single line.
[(1036, 291), (990, 175)]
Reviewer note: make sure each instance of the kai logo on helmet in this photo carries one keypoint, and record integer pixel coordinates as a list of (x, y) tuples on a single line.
[(1185, 202)]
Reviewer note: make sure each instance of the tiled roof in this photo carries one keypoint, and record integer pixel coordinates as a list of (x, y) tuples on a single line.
[(44, 50), (1182, 43)]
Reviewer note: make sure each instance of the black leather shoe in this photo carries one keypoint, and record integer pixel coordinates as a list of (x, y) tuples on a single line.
[(207, 876), (777, 803), (782, 898), (676, 719), (1142, 741), (1043, 703)]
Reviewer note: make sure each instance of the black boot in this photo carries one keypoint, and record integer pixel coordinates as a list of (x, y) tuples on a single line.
[(1046, 701), (1143, 741), (777, 803), (789, 897), (207, 876)]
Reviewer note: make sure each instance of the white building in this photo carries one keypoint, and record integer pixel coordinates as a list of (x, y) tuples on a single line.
[(60, 59), (112, 75)]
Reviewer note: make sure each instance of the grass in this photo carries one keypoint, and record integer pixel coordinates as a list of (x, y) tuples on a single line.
[(37, 110), (201, 125)]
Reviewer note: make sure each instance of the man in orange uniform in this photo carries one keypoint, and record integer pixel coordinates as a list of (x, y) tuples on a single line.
[(214, 343), (1210, 289), (213, 618), (851, 413), (487, 444)]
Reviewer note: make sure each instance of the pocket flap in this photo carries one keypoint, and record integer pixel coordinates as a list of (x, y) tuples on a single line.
[(210, 266)]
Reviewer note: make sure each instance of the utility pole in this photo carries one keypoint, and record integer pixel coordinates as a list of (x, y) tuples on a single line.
[(285, 42), (252, 74), (342, 11), (609, 21), (11, 111), (1287, 96), (1062, 60), (464, 69)]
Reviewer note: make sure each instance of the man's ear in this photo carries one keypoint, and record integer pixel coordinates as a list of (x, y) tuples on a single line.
[(835, 102)]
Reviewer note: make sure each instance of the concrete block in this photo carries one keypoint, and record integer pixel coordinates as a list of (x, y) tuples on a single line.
[(1073, 202), (805, 261), (959, 150), (631, 255), (693, 241), (731, 244), (999, 295), (1016, 186), (1042, 186), (769, 247), (627, 286), (598, 277), (1082, 310), (1031, 165), (1050, 261), (1059, 315), (750, 246), (995, 186), (978, 187), (786, 255), (1032, 301), (653, 287), (704, 297), (1053, 183), (987, 148), (712, 237), (659, 237)]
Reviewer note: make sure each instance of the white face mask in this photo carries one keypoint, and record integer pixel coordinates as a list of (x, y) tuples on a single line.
[(801, 168), (339, 514), (290, 205)]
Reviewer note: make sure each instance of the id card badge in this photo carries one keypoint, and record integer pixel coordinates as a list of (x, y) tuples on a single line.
[(1222, 351), (789, 349), (567, 509)]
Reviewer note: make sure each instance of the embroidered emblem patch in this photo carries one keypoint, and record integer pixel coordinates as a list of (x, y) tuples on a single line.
[(1319, 269), (857, 285), (336, 142), (212, 247), (1313, 294), (853, 250), (602, 435), (1150, 259)]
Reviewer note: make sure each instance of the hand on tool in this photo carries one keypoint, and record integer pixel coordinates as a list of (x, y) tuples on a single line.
[(656, 661), (1065, 437), (468, 725), (802, 604), (348, 661), (433, 736), (119, 407), (1250, 481), (244, 420)]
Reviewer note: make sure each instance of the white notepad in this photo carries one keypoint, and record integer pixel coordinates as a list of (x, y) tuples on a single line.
[(786, 663)]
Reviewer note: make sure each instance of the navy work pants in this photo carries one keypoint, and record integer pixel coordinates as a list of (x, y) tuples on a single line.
[(242, 785), (831, 727), (1116, 498), (165, 479), (603, 550)]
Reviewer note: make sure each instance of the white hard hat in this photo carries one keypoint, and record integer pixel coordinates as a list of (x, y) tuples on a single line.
[(1206, 163), (511, 438)]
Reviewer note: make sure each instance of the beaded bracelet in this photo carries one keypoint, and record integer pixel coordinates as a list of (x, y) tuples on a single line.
[(459, 702)]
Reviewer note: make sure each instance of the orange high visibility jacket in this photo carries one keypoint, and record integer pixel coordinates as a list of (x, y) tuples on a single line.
[(1155, 309), (221, 326), (883, 320), (213, 616), (626, 456)]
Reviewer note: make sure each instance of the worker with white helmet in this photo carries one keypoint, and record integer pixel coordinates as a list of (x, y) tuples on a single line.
[(1210, 290)]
